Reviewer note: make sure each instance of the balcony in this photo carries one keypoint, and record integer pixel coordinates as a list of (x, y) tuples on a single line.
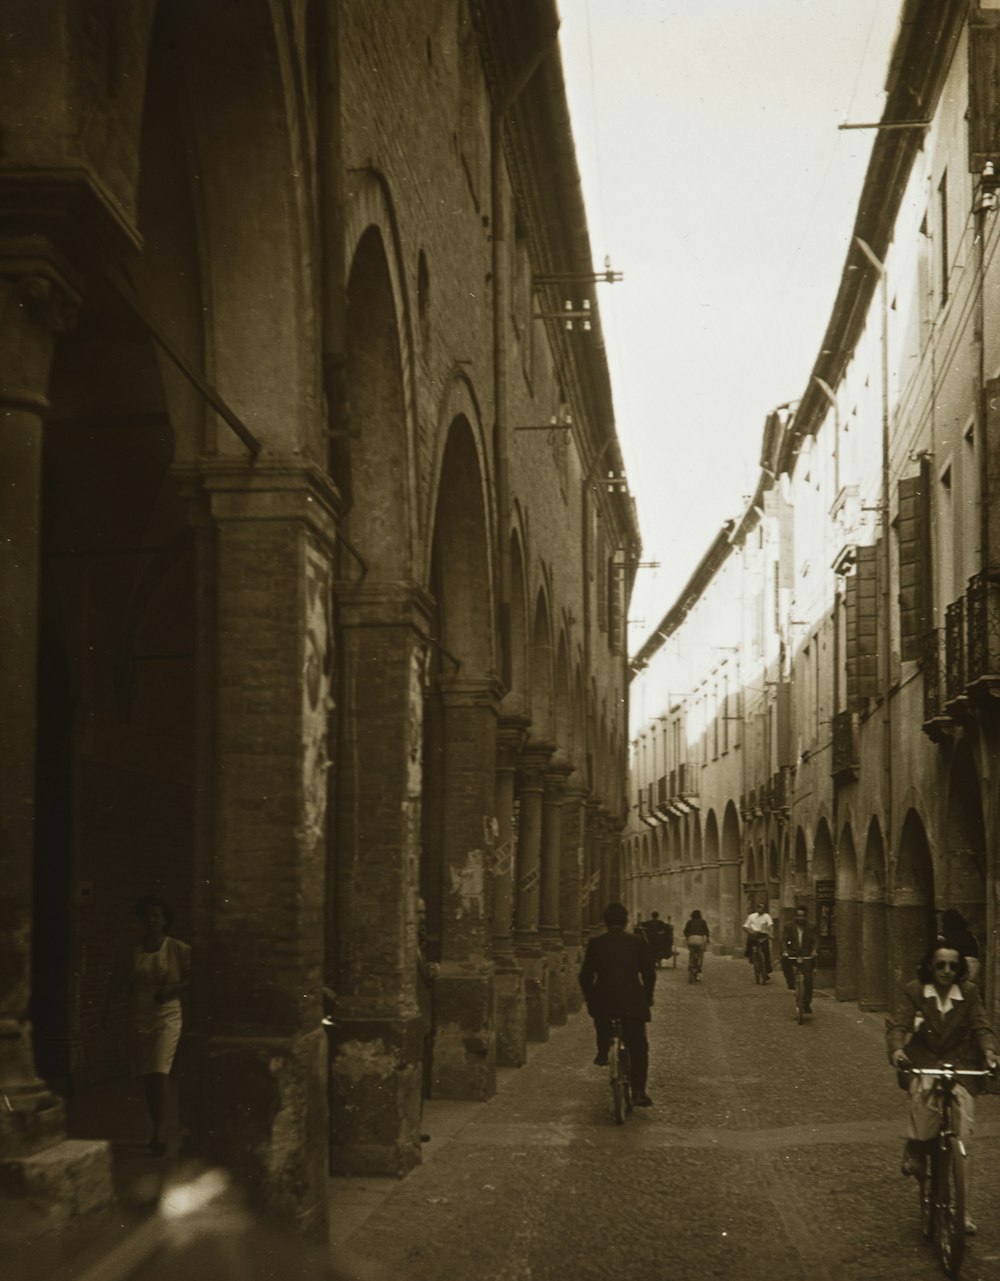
[(846, 754), (662, 798), (687, 785), (777, 794), (983, 634), (955, 700)]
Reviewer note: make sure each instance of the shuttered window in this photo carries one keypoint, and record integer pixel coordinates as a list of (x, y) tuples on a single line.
[(861, 604), (914, 561), (984, 88)]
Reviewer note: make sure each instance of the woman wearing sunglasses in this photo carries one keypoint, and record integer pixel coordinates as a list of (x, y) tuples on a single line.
[(939, 1018)]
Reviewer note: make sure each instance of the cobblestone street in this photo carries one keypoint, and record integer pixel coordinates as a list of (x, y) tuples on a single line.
[(772, 1149)]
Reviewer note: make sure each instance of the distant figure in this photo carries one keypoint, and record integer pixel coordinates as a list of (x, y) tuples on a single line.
[(154, 973), (758, 927), (801, 944), (659, 937)]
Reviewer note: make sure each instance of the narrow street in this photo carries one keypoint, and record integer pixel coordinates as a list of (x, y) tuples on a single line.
[(772, 1150)]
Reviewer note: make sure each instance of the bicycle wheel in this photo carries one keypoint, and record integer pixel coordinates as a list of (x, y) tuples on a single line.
[(758, 965), (616, 1053), (800, 996), (625, 1062), (951, 1206), (926, 1191)]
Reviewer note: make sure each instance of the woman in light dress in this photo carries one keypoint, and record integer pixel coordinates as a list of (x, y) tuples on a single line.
[(155, 973)]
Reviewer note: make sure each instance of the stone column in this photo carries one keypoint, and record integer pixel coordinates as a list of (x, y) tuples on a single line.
[(873, 984), (377, 1042), (38, 297), (848, 948), (730, 919), (261, 1073), (465, 1037), (527, 943), (511, 1010), (604, 845), (909, 933), (550, 928), (574, 903)]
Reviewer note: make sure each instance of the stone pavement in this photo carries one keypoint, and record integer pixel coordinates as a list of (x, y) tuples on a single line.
[(772, 1150)]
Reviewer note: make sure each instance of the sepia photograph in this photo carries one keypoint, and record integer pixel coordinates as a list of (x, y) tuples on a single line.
[(499, 640)]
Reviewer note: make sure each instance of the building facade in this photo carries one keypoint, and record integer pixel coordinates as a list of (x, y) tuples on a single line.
[(815, 720), (314, 584)]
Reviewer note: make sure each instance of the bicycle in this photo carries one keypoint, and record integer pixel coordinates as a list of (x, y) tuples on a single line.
[(619, 1073), (759, 958), (942, 1178), (800, 963), (696, 957)]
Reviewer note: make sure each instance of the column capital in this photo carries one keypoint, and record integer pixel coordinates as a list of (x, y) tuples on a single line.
[(40, 297), (511, 734), (533, 761), (556, 776), (472, 691), (384, 604), (273, 488)]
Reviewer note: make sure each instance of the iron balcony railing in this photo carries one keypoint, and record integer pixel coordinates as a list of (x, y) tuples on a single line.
[(846, 756), (954, 651)]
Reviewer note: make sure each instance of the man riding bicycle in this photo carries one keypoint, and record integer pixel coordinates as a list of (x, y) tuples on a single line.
[(801, 944), (617, 979), (758, 927)]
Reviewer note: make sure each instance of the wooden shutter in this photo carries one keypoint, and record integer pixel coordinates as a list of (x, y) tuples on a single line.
[(984, 88), (914, 561), (861, 604)]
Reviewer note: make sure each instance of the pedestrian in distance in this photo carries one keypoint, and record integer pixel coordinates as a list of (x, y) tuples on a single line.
[(656, 936), (801, 943), (617, 978), (939, 1018), (154, 973), (760, 925), (697, 938)]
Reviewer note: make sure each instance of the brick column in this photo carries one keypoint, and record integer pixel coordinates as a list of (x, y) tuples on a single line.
[(603, 841), (527, 941), (511, 1011), (572, 902), (377, 1040), (465, 1040), (38, 297), (261, 1092), (730, 919), (550, 927)]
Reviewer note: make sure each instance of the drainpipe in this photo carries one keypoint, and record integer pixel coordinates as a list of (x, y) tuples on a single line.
[(879, 266), (501, 279), (330, 200)]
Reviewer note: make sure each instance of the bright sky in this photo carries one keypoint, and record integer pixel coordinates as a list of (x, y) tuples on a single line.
[(717, 181)]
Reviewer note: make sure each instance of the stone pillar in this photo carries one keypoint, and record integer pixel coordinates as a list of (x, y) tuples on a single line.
[(550, 927), (602, 830), (909, 934), (377, 1040), (573, 904), (711, 910), (527, 942), (873, 986), (38, 297), (465, 1037), (730, 917), (848, 948), (511, 1010), (261, 1071)]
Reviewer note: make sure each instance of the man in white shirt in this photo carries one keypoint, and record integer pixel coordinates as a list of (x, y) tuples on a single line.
[(759, 924)]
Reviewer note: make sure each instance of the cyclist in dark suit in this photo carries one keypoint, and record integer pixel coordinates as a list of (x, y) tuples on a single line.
[(800, 942), (617, 978)]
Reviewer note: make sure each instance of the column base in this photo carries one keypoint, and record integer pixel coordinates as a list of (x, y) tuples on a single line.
[(258, 1104), (511, 1014), (465, 1048), (536, 994), (375, 1095), (69, 1178)]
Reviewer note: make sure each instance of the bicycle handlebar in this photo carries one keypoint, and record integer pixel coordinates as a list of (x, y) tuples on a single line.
[(947, 1071)]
